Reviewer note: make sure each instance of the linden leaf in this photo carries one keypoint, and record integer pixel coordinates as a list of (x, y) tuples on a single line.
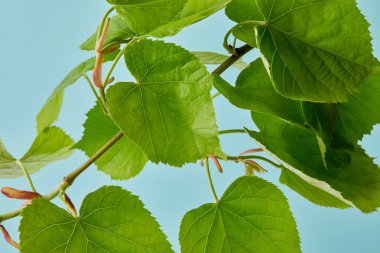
[(168, 112), (123, 160), (317, 50), (355, 180), (254, 91), (111, 220), (50, 145), (252, 216), (144, 16)]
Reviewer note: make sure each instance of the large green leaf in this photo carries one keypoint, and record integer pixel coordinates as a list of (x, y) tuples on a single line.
[(51, 145), (254, 91), (252, 216), (144, 16), (118, 30), (168, 112), (356, 182), (123, 160), (52, 107), (317, 50), (216, 58), (361, 112), (111, 220), (193, 11), (309, 191)]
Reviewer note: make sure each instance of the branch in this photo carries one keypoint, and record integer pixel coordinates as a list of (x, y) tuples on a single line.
[(70, 178), (232, 59)]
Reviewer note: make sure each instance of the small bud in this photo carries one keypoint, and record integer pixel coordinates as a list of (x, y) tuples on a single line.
[(217, 164), (111, 80), (17, 194), (8, 237), (68, 203), (111, 49), (72, 207), (255, 166)]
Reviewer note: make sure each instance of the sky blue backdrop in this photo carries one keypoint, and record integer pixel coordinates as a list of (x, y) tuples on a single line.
[(39, 45)]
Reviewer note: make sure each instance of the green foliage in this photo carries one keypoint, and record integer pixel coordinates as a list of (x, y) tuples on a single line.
[(52, 107), (356, 183), (168, 112), (111, 220), (252, 216), (318, 51), (313, 95), (124, 160), (254, 91), (215, 58), (50, 145)]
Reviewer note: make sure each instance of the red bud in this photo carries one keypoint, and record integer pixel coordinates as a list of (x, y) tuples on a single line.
[(111, 49), (71, 206), (17, 194), (217, 164), (249, 151), (8, 237)]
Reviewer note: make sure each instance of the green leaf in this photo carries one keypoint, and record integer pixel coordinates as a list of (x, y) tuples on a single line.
[(118, 30), (111, 220), (318, 51), (168, 112), (123, 160), (8, 166), (52, 107), (192, 12), (356, 183), (309, 191), (254, 91), (144, 16), (252, 216), (51, 145), (361, 112), (216, 58), (322, 117)]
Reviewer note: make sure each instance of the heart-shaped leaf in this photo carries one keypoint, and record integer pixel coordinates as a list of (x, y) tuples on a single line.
[(317, 50), (123, 160), (168, 112), (111, 220), (252, 216)]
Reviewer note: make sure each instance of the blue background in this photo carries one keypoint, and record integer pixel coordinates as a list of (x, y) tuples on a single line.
[(39, 44)]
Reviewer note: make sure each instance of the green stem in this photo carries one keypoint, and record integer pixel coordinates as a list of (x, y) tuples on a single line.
[(232, 59), (26, 173), (70, 178), (232, 131), (95, 93), (216, 95), (73, 175), (103, 100), (210, 181), (237, 158), (250, 23), (101, 26), (115, 61)]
